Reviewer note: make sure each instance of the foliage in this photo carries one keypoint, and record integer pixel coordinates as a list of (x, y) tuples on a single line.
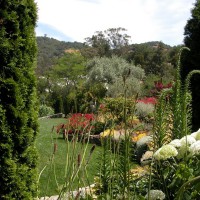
[(78, 123), (109, 41), (50, 50), (159, 86), (55, 89), (45, 110), (156, 66), (191, 60), (70, 67), (98, 127), (110, 72), (144, 110), (114, 169), (148, 84), (18, 108), (172, 154), (58, 104), (154, 57), (62, 88), (176, 163), (148, 100), (115, 108), (173, 161)]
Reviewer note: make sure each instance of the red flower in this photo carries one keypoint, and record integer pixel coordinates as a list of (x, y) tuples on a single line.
[(79, 122), (146, 100)]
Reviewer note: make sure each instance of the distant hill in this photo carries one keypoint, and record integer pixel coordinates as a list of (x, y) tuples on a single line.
[(49, 49)]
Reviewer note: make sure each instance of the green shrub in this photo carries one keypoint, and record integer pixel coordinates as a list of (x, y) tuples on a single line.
[(115, 107), (45, 110), (18, 108), (98, 127)]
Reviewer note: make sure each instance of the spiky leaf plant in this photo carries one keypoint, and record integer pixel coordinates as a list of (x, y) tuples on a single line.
[(172, 121)]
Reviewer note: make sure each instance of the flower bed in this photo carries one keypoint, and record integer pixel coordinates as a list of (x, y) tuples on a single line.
[(77, 123)]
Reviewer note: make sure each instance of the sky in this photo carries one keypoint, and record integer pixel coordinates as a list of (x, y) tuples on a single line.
[(145, 20)]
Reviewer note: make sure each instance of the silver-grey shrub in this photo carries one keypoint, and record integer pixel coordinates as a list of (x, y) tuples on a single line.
[(112, 72), (144, 110)]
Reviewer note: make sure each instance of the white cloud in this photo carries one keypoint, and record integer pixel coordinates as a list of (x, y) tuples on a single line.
[(145, 20)]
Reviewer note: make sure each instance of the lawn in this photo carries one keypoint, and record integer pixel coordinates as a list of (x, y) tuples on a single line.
[(53, 173)]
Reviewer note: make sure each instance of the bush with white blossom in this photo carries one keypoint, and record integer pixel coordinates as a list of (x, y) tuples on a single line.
[(155, 195), (179, 147), (195, 148), (165, 152), (178, 163)]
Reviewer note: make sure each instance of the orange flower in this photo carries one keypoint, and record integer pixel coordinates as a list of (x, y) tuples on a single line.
[(138, 135)]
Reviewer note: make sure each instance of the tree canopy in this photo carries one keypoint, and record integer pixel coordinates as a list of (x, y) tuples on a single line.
[(112, 71), (49, 50), (108, 41)]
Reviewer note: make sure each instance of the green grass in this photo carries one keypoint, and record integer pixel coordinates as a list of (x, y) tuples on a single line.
[(53, 176)]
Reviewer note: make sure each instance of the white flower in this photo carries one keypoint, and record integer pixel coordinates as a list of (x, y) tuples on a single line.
[(155, 195), (196, 135), (195, 148), (144, 140), (176, 143), (165, 152), (187, 140)]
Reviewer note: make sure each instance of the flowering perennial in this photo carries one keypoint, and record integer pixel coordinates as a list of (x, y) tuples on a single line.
[(195, 148), (138, 135), (196, 135), (159, 86), (148, 100), (176, 143), (155, 195), (78, 122), (187, 140), (165, 152)]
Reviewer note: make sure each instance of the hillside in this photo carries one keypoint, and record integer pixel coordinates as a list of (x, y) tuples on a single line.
[(49, 49)]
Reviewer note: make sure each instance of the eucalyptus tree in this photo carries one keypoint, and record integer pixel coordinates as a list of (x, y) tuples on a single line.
[(108, 42), (18, 109)]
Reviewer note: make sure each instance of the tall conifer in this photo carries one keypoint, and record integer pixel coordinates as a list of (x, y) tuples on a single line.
[(18, 111), (191, 60)]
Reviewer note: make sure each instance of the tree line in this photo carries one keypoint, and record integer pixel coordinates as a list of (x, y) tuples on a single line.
[(66, 70)]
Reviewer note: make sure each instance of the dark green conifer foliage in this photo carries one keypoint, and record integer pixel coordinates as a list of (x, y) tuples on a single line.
[(191, 61), (18, 111)]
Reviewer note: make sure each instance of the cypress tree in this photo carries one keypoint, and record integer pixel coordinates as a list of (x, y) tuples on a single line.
[(18, 110), (191, 61)]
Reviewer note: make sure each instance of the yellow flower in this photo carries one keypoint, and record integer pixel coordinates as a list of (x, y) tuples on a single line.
[(138, 136), (108, 132), (138, 172)]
